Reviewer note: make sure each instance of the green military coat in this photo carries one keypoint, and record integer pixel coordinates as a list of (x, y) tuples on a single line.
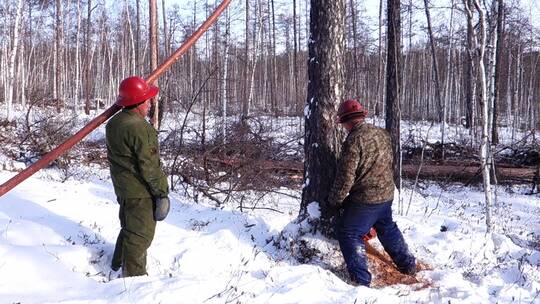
[(133, 153)]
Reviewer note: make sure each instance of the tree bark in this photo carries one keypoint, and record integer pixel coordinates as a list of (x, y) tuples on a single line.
[(393, 83), (470, 80), (154, 59), (435, 64), (479, 48), (325, 88), (498, 70), (11, 64), (296, 98), (59, 56), (87, 65)]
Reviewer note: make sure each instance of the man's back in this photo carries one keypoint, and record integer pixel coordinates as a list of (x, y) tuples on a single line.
[(373, 182)]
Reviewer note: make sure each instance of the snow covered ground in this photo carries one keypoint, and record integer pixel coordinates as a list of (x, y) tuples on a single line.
[(57, 238), (56, 242)]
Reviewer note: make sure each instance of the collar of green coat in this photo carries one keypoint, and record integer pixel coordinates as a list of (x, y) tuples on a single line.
[(132, 112)]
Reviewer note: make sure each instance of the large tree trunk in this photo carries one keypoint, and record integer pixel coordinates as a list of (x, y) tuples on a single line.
[(325, 89), (393, 84)]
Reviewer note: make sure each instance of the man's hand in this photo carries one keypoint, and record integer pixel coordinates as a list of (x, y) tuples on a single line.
[(161, 208), (332, 204)]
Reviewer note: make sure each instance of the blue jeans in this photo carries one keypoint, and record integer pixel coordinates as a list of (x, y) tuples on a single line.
[(356, 221)]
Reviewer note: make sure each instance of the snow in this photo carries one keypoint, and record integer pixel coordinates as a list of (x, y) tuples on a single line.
[(56, 242), (57, 239)]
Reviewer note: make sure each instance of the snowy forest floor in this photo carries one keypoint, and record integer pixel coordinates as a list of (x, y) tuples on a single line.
[(57, 234)]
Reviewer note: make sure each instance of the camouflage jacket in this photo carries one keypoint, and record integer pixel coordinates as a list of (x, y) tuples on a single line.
[(365, 171), (133, 154)]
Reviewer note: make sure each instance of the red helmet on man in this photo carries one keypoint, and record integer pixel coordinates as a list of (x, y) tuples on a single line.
[(134, 90), (350, 109)]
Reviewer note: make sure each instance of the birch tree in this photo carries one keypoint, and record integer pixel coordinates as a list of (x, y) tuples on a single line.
[(480, 42), (11, 63)]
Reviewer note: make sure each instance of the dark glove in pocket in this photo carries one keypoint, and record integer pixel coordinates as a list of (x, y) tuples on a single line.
[(161, 208)]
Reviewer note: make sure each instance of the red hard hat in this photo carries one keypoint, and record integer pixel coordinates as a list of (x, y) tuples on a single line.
[(350, 109), (134, 90)]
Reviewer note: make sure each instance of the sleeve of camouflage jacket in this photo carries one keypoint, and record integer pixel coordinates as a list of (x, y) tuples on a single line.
[(147, 153), (345, 172)]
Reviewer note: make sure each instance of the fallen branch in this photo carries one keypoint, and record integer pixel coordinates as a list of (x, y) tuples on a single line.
[(201, 189)]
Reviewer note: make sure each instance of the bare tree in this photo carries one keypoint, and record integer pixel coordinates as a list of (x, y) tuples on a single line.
[(13, 53), (498, 71), (435, 64), (87, 65), (480, 48), (59, 48), (154, 58)]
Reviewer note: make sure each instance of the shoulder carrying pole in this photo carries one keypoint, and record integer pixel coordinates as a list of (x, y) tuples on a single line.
[(94, 123)]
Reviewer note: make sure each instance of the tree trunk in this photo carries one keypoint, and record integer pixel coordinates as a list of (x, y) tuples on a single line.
[(393, 84), (435, 64), (164, 104), (498, 70), (11, 63), (77, 60), (59, 56), (245, 104), (224, 80), (295, 64), (355, 71), (325, 88), (154, 59), (479, 48), (380, 68), (87, 65), (138, 35), (448, 87), (470, 80)]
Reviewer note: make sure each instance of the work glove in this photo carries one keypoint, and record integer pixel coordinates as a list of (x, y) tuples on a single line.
[(371, 234), (161, 208)]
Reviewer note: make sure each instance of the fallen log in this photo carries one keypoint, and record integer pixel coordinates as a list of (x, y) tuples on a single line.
[(466, 172), (470, 173)]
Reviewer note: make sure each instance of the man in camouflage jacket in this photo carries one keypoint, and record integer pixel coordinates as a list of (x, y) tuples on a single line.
[(364, 188), (139, 182)]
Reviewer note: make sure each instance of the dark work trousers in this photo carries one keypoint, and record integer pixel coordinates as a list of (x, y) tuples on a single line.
[(138, 228), (356, 221)]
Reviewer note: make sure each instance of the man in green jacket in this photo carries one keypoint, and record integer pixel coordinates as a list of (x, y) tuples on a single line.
[(139, 182)]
